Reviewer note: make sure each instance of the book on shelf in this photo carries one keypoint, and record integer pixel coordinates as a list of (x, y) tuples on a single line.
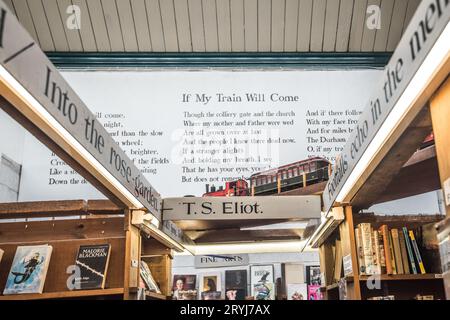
[(384, 232), (28, 270), (338, 261), (360, 250), (405, 261), (397, 251), (376, 252), (366, 234), (409, 250), (417, 252), (93, 261), (389, 250), (147, 276)]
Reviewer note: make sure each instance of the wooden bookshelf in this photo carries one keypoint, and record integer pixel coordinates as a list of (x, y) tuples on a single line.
[(155, 296), (361, 287), (85, 223), (66, 294)]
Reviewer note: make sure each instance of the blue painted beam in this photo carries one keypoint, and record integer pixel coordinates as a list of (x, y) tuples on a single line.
[(334, 60)]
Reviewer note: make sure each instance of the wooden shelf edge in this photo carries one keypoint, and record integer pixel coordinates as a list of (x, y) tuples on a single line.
[(400, 277), (154, 295), (64, 294)]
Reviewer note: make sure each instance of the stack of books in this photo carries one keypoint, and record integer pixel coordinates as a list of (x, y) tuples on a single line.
[(387, 251)]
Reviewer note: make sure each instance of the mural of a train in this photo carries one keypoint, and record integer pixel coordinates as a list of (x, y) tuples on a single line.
[(272, 181)]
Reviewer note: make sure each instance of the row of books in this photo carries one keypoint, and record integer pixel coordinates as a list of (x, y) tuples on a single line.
[(30, 265), (387, 251)]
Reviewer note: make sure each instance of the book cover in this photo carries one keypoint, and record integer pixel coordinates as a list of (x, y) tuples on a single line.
[(262, 282), (313, 275), (314, 292), (376, 251), (384, 232), (297, 291), (401, 239), (366, 234), (397, 251), (28, 270), (235, 284), (417, 252), (409, 250), (210, 282), (147, 276), (184, 286), (93, 262), (360, 250)]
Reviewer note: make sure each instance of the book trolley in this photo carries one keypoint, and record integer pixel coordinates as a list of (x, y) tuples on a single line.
[(67, 225)]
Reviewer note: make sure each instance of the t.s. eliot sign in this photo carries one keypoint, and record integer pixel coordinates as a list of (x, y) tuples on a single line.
[(235, 208), (430, 19), (26, 62)]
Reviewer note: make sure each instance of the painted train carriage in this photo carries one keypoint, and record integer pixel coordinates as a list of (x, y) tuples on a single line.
[(294, 175)]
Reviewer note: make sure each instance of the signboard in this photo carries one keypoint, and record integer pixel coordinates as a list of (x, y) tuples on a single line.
[(235, 208), (213, 261), (26, 62), (431, 17), (173, 231)]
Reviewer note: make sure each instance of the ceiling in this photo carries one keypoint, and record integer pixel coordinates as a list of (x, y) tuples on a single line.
[(215, 25)]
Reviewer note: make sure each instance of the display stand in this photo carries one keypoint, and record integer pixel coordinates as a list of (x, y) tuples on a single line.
[(358, 287), (65, 225)]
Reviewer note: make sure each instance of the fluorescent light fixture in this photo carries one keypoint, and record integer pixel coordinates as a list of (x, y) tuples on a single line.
[(415, 87), (42, 113), (280, 226), (252, 247)]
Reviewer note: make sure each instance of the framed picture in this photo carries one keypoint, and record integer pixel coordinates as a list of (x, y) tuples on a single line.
[(313, 276), (314, 292), (297, 291), (235, 284), (262, 282), (210, 283), (183, 287)]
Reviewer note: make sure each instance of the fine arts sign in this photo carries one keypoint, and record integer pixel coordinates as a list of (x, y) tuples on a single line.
[(430, 19), (26, 62)]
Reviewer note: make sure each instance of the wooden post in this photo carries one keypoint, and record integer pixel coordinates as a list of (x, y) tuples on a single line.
[(440, 117), (279, 184), (304, 179), (132, 257), (348, 243)]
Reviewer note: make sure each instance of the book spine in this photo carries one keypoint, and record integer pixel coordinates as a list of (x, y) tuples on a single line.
[(366, 235), (416, 250), (401, 239), (382, 256), (387, 253), (397, 252), (360, 250), (391, 250), (376, 250), (409, 249)]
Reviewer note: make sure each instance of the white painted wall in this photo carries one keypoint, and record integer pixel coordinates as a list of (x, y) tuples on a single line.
[(183, 264)]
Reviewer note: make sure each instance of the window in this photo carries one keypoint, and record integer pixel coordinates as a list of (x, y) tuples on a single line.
[(295, 171), (312, 166), (290, 173)]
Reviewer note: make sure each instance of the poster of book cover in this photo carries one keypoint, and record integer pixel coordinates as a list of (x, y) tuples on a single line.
[(313, 276), (184, 287), (28, 270), (314, 292), (210, 283), (262, 282), (235, 284), (297, 291), (93, 262)]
